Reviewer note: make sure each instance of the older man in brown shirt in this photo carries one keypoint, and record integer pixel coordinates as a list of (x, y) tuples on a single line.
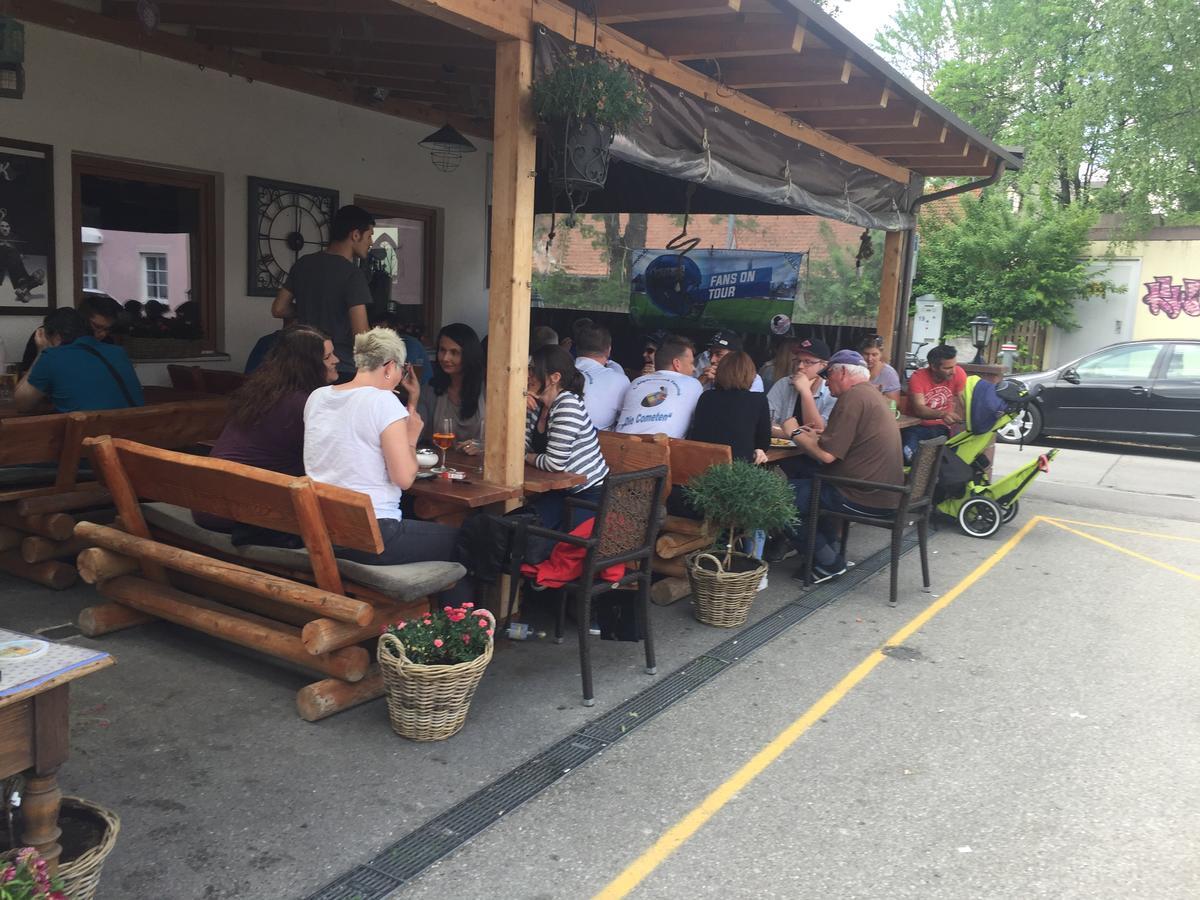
[(861, 440)]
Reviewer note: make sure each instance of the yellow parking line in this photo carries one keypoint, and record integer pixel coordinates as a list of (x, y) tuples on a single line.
[(1111, 546), (1155, 534), (678, 834)]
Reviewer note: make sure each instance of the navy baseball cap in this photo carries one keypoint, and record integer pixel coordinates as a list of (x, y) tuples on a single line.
[(845, 358), (815, 347), (726, 340)]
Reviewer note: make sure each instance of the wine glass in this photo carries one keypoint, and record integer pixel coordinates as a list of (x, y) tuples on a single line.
[(444, 438)]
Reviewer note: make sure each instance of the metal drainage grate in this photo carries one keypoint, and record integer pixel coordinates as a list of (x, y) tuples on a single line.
[(440, 836)]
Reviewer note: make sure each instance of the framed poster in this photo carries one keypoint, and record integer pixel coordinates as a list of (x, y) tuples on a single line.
[(26, 228)]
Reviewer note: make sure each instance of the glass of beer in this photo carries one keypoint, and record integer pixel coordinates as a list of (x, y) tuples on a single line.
[(444, 438)]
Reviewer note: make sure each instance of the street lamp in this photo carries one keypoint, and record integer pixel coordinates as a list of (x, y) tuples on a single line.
[(981, 336)]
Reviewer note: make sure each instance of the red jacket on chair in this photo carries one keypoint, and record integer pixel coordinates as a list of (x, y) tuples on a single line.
[(566, 562)]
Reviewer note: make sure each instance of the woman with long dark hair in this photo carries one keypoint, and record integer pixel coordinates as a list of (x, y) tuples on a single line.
[(456, 390), (559, 434), (266, 414)]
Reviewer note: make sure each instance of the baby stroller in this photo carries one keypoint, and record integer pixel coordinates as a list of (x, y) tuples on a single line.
[(964, 490)]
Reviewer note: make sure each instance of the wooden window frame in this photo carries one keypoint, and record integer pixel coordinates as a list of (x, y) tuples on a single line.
[(206, 289), (430, 218)]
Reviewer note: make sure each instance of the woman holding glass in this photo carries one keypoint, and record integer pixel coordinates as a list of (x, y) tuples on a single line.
[(358, 435), (456, 390)]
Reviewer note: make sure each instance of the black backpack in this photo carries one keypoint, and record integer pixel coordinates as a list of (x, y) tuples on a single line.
[(485, 542)]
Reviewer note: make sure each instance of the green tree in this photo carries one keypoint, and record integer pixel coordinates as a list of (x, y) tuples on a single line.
[(835, 288), (1014, 267)]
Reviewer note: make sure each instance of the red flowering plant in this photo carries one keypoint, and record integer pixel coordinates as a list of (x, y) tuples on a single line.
[(26, 877), (452, 635)]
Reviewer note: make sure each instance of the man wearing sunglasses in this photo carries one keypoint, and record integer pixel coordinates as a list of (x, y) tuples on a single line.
[(804, 395)]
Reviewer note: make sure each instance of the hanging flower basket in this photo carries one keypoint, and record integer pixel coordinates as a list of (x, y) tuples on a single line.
[(578, 154), (430, 702)]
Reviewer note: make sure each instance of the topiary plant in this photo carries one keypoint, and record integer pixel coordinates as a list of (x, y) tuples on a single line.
[(742, 498)]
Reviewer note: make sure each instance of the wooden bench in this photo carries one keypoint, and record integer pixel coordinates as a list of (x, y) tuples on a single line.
[(303, 606), (43, 491)]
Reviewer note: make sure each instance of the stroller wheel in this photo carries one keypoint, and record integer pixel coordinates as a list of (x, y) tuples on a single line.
[(980, 517), (1008, 513)]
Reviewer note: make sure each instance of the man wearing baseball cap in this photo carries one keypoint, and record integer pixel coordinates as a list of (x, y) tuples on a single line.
[(804, 395), (723, 343), (860, 441)]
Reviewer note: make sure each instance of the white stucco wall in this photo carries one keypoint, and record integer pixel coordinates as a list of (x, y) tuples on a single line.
[(91, 97)]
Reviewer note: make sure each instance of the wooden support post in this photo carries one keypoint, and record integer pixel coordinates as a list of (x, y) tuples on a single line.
[(890, 288), (68, 463), (86, 497), (513, 165), (233, 625), (97, 565), (125, 497), (108, 617), (315, 536), (324, 698), (273, 587), (51, 574)]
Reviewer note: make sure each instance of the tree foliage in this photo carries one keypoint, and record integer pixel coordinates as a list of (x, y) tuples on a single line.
[(1101, 94), (1014, 267), (835, 288)]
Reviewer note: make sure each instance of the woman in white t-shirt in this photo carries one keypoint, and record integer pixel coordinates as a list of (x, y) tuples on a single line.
[(359, 435)]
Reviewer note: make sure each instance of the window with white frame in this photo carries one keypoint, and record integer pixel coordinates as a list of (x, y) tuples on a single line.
[(91, 271), (154, 266)]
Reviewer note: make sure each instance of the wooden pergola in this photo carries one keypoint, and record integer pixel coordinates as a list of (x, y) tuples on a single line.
[(783, 65)]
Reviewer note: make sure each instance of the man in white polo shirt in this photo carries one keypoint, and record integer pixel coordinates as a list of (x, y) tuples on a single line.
[(604, 387), (665, 400)]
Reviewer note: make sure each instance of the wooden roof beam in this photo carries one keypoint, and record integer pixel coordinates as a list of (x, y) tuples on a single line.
[(717, 38), (865, 96), (978, 159), (810, 68), (931, 134), (618, 12), (560, 19), (480, 59), (442, 74), (897, 116), (493, 20), (72, 19), (954, 147)]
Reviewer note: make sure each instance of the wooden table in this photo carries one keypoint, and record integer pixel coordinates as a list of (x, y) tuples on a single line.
[(442, 500), (35, 732)]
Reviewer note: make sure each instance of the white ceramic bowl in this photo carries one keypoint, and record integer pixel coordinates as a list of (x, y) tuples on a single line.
[(427, 458)]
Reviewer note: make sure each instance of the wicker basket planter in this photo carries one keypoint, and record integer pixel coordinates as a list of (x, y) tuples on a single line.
[(81, 874), (722, 597), (429, 703)]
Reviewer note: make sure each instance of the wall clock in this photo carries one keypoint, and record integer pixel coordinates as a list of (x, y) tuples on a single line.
[(285, 221)]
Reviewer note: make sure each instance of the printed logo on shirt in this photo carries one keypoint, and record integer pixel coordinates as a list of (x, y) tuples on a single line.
[(651, 400)]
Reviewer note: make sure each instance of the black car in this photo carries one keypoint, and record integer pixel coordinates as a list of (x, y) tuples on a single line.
[(1144, 392)]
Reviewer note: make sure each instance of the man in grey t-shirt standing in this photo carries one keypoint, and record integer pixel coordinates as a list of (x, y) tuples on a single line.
[(328, 290)]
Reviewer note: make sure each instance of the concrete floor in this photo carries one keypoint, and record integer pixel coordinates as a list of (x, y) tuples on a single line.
[(1040, 721)]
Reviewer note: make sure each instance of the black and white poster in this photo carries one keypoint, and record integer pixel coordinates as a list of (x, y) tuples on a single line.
[(26, 228)]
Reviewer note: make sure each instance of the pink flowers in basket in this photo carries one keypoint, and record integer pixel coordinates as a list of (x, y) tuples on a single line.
[(449, 636), (27, 878)]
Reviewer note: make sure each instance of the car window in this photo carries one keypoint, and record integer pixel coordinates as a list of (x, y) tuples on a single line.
[(1184, 363), (1130, 361)]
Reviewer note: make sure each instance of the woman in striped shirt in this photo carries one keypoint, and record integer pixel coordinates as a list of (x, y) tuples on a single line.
[(560, 436)]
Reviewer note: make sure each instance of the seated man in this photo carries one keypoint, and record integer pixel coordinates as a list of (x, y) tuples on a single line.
[(934, 394), (859, 441), (665, 400), (723, 343), (99, 312), (804, 395), (604, 387), (74, 371)]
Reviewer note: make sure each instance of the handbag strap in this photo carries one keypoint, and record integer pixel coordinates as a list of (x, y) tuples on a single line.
[(111, 371)]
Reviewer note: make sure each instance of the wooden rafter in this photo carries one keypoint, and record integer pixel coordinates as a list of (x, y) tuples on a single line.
[(954, 147), (850, 96), (718, 38), (616, 12), (928, 132), (480, 59), (560, 19), (896, 117), (810, 68), (63, 17), (494, 20), (979, 159), (353, 65)]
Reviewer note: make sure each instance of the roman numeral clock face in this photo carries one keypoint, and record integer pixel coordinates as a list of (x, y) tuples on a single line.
[(286, 221)]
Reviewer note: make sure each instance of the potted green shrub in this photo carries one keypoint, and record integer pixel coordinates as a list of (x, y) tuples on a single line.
[(584, 102), (738, 499)]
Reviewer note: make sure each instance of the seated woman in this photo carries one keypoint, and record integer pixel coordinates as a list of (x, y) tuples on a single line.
[(729, 414), (560, 436), (883, 376), (358, 435), (266, 414), (456, 390)]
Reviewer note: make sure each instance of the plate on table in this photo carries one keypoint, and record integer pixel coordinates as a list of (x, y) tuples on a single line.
[(25, 648), (781, 442)]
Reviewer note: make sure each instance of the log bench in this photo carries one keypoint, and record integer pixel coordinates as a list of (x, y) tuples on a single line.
[(45, 487), (303, 606)]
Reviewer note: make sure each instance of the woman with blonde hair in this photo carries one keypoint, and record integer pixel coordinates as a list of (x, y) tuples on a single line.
[(359, 435)]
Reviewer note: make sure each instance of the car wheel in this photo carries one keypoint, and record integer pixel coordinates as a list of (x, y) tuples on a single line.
[(1008, 513), (980, 517), (1026, 426)]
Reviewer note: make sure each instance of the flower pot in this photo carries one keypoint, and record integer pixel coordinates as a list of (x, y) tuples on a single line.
[(429, 703), (89, 833), (721, 596), (578, 154)]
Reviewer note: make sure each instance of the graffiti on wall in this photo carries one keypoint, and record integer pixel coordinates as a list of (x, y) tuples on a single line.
[(1163, 296)]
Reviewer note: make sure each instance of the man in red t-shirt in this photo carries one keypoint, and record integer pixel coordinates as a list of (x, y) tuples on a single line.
[(934, 394)]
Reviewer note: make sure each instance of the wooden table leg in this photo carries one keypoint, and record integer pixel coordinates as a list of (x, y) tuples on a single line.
[(51, 732)]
